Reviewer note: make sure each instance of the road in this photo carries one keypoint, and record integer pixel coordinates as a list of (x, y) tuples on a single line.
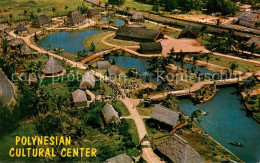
[(6, 89)]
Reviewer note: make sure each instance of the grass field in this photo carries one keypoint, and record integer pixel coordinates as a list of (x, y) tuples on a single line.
[(144, 111), (97, 41)]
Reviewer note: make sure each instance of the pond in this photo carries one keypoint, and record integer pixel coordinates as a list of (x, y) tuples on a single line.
[(71, 41), (228, 121), (118, 22)]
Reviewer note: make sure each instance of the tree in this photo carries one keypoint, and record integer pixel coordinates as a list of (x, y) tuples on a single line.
[(194, 60), (48, 47), (25, 13), (39, 10), (207, 59), (59, 50), (155, 8), (92, 47), (225, 7), (195, 115), (53, 9), (118, 3), (252, 48), (202, 32), (233, 67), (32, 16), (66, 7), (36, 39)]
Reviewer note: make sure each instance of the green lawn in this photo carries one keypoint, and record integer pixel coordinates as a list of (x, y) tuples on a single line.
[(144, 111), (122, 42), (120, 105), (97, 41)]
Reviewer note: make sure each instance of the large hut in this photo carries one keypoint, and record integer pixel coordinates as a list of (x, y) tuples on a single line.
[(52, 67), (87, 81), (103, 64), (40, 20), (76, 18), (15, 42), (120, 158), (21, 28), (26, 50), (113, 70), (138, 34), (178, 150), (151, 48), (79, 98), (164, 115), (93, 13), (110, 115)]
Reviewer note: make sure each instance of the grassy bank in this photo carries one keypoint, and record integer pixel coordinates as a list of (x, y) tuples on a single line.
[(96, 39)]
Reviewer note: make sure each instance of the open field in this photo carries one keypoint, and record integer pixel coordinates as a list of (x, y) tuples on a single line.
[(96, 39)]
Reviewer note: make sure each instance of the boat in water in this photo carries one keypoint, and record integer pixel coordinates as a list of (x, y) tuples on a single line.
[(236, 144)]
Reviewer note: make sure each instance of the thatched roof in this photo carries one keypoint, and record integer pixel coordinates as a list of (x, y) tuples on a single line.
[(98, 98), (113, 70), (250, 16), (52, 66), (40, 20), (151, 46), (188, 33), (94, 2), (16, 41), (178, 150), (3, 27), (138, 33), (163, 114), (76, 17), (79, 96), (26, 50), (103, 64), (87, 81), (93, 12), (21, 28), (9, 37), (255, 40), (120, 158), (139, 25), (137, 16), (110, 115)]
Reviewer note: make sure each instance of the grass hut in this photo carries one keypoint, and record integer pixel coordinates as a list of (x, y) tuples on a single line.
[(40, 20), (20, 28), (52, 67), (9, 37), (79, 98), (103, 64), (255, 40), (3, 27), (110, 115), (137, 17), (113, 70), (26, 50), (164, 115), (87, 81), (15, 42), (76, 18), (151, 48), (178, 150), (93, 13), (120, 158), (138, 34)]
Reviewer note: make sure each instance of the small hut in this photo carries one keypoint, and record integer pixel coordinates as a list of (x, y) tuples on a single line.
[(21, 28), (113, 70), (255, 40), (40, 20), (15, 42), (178, 150), (110, 115), (164, 115), (26, 50), (102, 64), (9, 37), (79, 98), (76, 18), (120, 158), (87, 81), (3, 27), (93, 13), (137, 17), (52, 67), (151, 48), (98, 98)]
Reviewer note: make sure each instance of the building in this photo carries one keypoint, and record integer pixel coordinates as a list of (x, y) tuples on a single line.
[(87, 81), (248, 19), (52, 67), (75, 18), (151, 48), (40, 21), (79, 98), (245, 8), (120, 158), (178, 150), (110, 115), (138, 34), (137, 25), (164, 115), (93, 13), (15, 42), (188, 33), (255, 40), (3, 27), (113, 70), (103, 64), (26, 50), (137, 17), (21, 28)]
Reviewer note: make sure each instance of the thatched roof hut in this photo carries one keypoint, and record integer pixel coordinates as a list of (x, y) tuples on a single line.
[(178, 150), (110, 115), (16, 41), (87, 81), (76, 18), (3, 27), (21, 28), (113, 70), (188, 33), (9, 37), (40, 21), (138, 34), (79, 98), (120, 158), (137, 16), (163, 114), (27, 50), (151, 47), (255, 40), (93, 12), (52, 67), (103, 64)]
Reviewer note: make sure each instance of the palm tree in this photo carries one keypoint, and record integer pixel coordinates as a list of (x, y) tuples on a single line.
[(59, 50), (53, 10), (195, 115), (233, 67), (48, 47), (194, 60)]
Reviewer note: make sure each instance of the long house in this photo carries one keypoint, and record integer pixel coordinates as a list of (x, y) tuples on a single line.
[(138, 34), (40, 20)]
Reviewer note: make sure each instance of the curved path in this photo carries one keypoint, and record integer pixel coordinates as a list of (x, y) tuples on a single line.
[(6, 89)]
